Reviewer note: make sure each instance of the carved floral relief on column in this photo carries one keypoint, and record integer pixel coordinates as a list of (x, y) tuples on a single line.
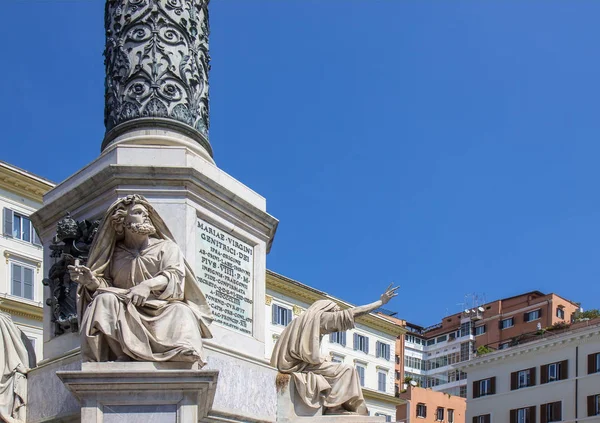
[(157, 61)]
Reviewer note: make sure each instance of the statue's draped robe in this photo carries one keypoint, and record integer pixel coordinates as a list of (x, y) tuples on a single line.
[(172, 323), (297, 351), (14, 364), (165, 329)]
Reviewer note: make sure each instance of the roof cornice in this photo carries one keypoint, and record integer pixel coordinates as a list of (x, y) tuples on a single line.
[(23, 183)]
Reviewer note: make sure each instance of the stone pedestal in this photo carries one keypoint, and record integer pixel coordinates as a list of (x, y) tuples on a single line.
[(224, 231), (291, 409), (137, 392)]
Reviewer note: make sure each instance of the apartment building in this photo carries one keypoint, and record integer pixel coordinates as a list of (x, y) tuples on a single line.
[(369, 347), (550, 376), (433, 354), (21, 274), (424, 405)]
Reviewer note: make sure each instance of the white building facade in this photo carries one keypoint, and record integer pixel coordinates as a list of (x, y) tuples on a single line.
[(434, 362), (369, 347), (21, 288), (552, 379)]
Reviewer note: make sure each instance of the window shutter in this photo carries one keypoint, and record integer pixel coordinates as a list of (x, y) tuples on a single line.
[(274, 314), (289, 316), (424, 411), (514, 380), (540, 312), (590, 404), (591, 364), (543, 414), (487, 418), (493, 385), (532, 414), (475, 419), (36, 239), (564, 369), (513, 416), (8, 222), (366, 345), (544, 374), (558, 410), (526, 317), (343, 339), (532, 376), (387, 353), (476, 389), (355, 344), (377, 349)]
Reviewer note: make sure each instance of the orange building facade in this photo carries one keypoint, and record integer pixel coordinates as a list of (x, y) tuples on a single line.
[(428, 406)]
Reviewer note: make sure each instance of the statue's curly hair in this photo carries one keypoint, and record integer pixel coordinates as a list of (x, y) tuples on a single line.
[(117, 219)]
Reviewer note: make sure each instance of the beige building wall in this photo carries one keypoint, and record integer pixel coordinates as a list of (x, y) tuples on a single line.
[(21, 195), (574, 346)]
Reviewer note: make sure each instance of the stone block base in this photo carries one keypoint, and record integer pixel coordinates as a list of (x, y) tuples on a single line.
[(140, 392), (291, 409)]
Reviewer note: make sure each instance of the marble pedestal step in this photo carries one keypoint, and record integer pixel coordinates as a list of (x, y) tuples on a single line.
[(142, 392)]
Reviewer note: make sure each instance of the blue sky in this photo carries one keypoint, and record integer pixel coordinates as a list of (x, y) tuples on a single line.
[(448, 146)]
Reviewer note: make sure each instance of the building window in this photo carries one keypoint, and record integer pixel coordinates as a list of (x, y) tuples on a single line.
[(554, 371), (551, 412), (383, 350), (388, 418), (522, 378), (19, 226), (421, 410), (484, 387), (504, 345), (361, 343), (430, 342), (507, 323), (441, 338), (361, 374), (560, 313), (533, 315), (397, 374), (338, 338), (593, 363), (523, 415), (281, 315), (479, 330), (465, 329), (381, 381), (485, 418), (439, 414), (22, 281), (462, 391), (593, 405), (450, 415)]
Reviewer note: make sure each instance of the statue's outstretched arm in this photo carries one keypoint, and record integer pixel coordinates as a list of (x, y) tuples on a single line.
[(389, 293)]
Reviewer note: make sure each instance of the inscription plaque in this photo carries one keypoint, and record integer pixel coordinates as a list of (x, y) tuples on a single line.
[(224, 269)]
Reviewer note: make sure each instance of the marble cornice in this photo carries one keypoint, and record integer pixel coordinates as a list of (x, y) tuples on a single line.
[(536, 347), (295, 289)]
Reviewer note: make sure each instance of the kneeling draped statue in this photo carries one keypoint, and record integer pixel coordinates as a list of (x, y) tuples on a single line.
[(320, 382), (139, 299)]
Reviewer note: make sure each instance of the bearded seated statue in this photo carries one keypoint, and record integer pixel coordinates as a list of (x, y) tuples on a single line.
[(138, 298)]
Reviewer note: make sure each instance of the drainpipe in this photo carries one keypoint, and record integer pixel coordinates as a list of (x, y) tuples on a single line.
[(576, 381)]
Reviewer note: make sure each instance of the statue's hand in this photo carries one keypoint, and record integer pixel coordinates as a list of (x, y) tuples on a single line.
[(139, 294), (389, 294), (81, 274)]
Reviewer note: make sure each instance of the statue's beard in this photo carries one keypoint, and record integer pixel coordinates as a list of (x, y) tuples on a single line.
[(145, 228)]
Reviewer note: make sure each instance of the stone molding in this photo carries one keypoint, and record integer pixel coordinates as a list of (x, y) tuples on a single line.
[(157, 65), (21, 182)]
